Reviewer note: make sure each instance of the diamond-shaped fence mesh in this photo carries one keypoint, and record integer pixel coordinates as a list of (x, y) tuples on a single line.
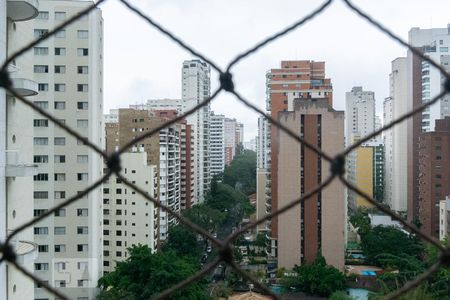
[(226, 85)]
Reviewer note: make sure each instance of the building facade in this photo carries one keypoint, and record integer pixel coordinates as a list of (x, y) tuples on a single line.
[(434, 174), (68, 69), (128, 218), (294, 79), (16, 143), (360, 114), (318, 224), (444, 218), (395, 140), (196, 88), (217, 143)]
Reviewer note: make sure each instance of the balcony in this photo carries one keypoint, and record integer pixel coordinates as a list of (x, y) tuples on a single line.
[(22, 10), (24, 87), (14, 168)]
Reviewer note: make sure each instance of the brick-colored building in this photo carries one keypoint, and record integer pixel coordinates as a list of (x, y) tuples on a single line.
[(434, 174), (317, 224), (300, 79)]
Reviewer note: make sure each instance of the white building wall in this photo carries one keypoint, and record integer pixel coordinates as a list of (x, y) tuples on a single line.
[(79, 104), (360, 113), (217, 144), (395, 139), (129, 219), (195, 89)]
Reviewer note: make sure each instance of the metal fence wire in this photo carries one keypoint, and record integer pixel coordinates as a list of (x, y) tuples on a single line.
[(337, 162)]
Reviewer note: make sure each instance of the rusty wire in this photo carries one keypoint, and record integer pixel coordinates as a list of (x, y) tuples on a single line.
[(226, 84)]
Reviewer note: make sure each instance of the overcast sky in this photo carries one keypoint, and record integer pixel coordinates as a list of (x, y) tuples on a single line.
[(141, 63)]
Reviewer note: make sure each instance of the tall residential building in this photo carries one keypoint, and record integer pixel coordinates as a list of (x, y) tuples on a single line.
[(128, 218), (263, 144), (434, 174), (16, 144), (251, 145), (423, 83), (217, 143), (68, 69), (395, 139), (360, 114), (163, 150), (231, 134), (293, 80), (161, 104), (196, 88), (317, 225), (444, 218)]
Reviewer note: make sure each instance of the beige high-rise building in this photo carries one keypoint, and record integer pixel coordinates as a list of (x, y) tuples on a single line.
[(128, 218), (68, 69), (318, 224)]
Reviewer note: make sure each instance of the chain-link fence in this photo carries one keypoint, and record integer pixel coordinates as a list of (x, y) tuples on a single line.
[(337, 162)]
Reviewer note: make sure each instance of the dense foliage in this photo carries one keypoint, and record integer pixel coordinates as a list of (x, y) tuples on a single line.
[(241, 173), (144, 274), (317, 278)]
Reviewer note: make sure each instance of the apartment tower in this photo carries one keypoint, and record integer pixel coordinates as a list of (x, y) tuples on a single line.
[(317, 225), (302, 80), (68, 69), (196, 88), (16, 141), (217, 143)]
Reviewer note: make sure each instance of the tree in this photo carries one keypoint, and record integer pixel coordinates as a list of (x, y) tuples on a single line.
[(145, 274), (204, 216), (241, 173), (317, 278), (224, 198), (182, 241)]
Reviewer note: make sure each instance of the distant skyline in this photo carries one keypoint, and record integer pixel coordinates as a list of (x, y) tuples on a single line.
[(141, 63)]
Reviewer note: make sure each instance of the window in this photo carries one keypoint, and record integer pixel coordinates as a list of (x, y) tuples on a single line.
[(82, 247), (118, 232), (60, 212), (60, 15), (82, 34), (40, 141), (106, 222), (40, 230), (60, 34), (40, 195), (60, 230), (82, 69), (60, 87), (43, 15), (105, 232), (38, 33), (41, 266), (42, 248), (60, 69), (443, 49), (105, 243), (39, 212), (41, 177), (82, 51), (118, 212), (82, 87), (60, 105), (106, 263), (60, 159), (106, 201), (82, 265), (40, 69), (82, 105), (60, 141), (106, 212), (40, 159), (82, 212), (40, 50), (39, 284), (82, 176), (60, 195), (82, 230), (41, 104), (82, 123), (60, 283), (60, 176), (82, 159), (60, 51), (43, 87), (40, 123), (60, 266), (60, 248)]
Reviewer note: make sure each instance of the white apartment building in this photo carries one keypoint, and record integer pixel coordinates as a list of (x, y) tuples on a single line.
[(128, 218), (251, 145), (395, 139), (196, 88), (435, 43), (231, 133), (161, 104), (68, 69), (444, 218), (263, 145), (359, 113), (16, 140), (217, 143)]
